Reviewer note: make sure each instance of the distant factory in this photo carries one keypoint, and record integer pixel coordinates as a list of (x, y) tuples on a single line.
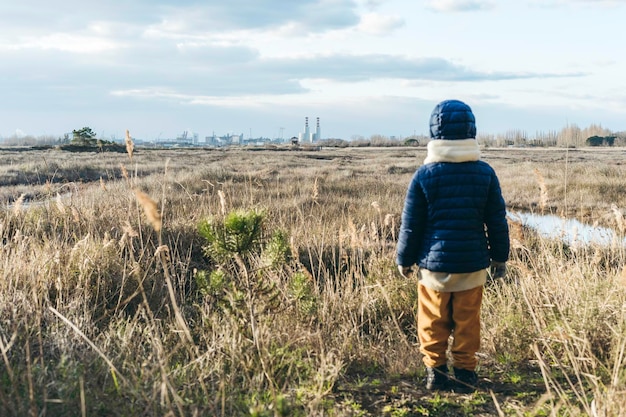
[(307, 135), (190, 139), (225, 140)]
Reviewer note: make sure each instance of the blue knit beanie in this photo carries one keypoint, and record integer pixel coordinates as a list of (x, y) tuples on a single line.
[(452, 119)]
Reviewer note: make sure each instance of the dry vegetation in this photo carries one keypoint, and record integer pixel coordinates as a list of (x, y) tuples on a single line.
[(262, 282)]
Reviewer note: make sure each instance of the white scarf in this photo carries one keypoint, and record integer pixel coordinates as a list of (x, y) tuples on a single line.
[(459, 150)]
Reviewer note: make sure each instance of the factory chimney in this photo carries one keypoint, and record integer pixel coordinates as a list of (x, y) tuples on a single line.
[(307, 132), (318, 134)]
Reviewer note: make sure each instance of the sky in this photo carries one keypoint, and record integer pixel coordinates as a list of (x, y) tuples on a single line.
[(259, 67)]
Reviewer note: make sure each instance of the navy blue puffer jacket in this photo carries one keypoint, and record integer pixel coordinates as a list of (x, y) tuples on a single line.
[(454, 218)]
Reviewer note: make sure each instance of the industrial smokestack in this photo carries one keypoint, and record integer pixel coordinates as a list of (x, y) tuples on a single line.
[(318, 133), (307, 131)]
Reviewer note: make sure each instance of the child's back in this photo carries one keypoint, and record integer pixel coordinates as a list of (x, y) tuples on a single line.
[(453, 228)]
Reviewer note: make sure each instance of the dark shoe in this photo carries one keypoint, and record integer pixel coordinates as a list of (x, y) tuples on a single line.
[(437, 378), (465, 381)]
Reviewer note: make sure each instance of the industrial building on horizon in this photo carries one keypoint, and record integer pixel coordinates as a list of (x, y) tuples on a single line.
[(307, 135), (190, 139)]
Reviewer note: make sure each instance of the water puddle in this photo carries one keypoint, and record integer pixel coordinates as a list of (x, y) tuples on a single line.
[(571, 231)]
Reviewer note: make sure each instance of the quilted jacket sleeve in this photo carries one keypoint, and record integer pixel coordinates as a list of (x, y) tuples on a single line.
[(495, 221), (412, 227)]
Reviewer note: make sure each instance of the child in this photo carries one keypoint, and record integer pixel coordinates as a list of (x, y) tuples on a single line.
[(453, 227)]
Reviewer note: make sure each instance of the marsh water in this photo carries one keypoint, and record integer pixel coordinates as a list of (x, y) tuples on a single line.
[(571, 231)]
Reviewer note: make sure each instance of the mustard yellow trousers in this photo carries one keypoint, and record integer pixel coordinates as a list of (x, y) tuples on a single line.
[(442, 314)]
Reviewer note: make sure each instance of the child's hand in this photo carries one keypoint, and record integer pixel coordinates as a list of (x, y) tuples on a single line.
[(497, 270), (405, 271)]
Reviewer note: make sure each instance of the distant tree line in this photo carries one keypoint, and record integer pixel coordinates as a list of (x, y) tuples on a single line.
[(600, 140), (571, 136), (83, 139)]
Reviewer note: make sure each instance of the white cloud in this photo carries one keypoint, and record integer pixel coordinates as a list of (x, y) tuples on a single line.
[(460, 5), (577, 3), (67, 42), (377, 24), (372, 4)]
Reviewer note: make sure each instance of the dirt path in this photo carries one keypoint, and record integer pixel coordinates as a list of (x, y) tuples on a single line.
[(404, 395)]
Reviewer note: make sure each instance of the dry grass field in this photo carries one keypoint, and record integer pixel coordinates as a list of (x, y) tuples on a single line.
[(262, 282)]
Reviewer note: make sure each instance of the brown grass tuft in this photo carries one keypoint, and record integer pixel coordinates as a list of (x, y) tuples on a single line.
[(516, 233), (316, 191), (128, 229), (543, 196), (75, 214), (622, 277)]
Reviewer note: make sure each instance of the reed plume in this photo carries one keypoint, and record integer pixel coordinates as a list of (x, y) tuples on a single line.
[(151, 209), (619, 218), (222, 196), (59, 203), (75, 214), (124, 172), (130, 146), (390, 223), (17, 206)]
